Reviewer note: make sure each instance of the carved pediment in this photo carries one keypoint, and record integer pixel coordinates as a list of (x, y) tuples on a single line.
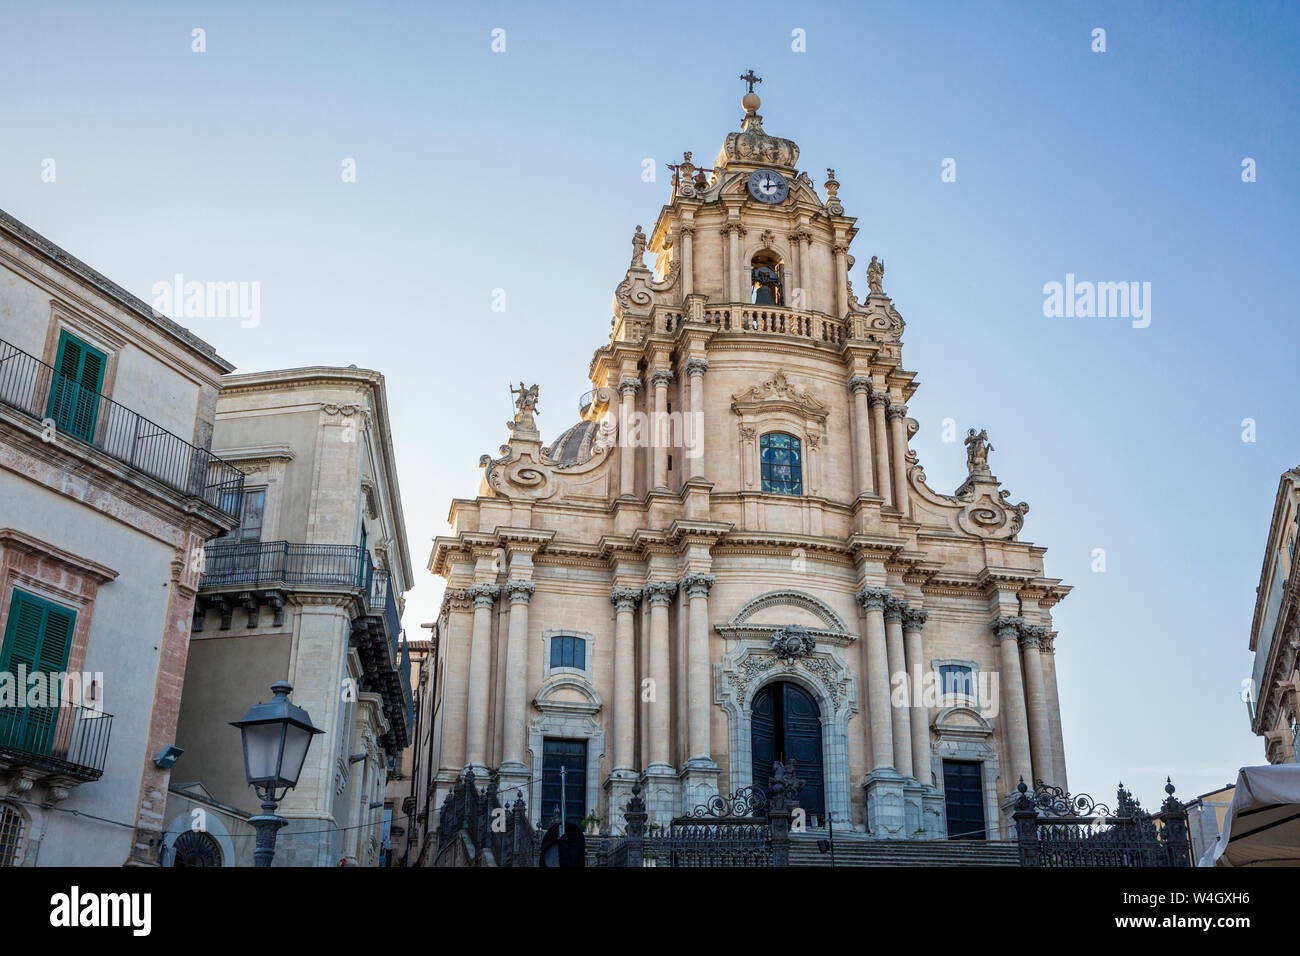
[(779, 392)]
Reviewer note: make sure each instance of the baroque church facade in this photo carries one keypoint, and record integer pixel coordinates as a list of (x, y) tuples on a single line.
[(734, 557)]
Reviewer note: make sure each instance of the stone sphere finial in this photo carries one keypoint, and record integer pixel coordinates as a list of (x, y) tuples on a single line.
[(751, 102)]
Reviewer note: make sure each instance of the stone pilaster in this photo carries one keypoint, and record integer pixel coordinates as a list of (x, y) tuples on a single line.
[(860, 388), (1006, 630), (1040, 735), (699, 773), (897, 415), (519, 592), (627, 389), (879, 400), (660, 379), (695, 369), (480, 675)]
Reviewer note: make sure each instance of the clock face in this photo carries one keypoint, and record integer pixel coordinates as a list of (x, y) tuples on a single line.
[(768, 186)]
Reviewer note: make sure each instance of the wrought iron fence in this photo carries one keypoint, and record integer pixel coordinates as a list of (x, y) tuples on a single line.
[(71, 739), (1058, 829), (468, 813), (41, 392)]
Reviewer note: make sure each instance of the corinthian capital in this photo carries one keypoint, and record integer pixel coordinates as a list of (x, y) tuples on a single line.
[(696, 366), (624, 599), (894, 609), (874, 599), (1032, 635), (629, 386), (860, 383), (519, 591), (697, 585), (659, 592), (661, 376), (895, 412), (484, 595), (879, 398), (1006, 627), (914, 618)]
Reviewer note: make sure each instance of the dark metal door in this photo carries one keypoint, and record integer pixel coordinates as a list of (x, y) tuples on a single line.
[(786, 725), (963, 792), (572, 755)]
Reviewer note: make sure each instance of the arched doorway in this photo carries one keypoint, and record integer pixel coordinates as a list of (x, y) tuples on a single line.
[(786, 725)]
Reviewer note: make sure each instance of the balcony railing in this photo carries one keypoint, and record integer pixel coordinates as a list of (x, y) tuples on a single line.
[(382, 600), (281, 563), (44, 394), (70, 740)]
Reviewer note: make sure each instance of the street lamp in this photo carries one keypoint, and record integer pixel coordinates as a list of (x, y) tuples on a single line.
[(276, 737)]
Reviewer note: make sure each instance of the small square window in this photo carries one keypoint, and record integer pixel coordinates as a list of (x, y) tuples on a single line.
[(569, 651)]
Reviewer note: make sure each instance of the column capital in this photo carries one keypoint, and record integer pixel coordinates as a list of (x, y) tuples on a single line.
[(1006, 627), (879, 399), (860, 383), (519, 591), (1049, 643), (484, 595), (686, 229), (696, 584), (696, 366), (659, 592), (874, 599), (894, 412), (661, 376), (629, 386), (1032, 635), (894, 609), (914, 618), (624, 599)]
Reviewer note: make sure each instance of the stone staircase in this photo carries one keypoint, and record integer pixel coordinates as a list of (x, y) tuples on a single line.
[(855, 849)]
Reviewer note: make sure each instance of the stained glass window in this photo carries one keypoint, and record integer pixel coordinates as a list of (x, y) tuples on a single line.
[(781, 456)]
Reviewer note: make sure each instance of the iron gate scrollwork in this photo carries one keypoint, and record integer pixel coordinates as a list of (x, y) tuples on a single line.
[(1055, 828)]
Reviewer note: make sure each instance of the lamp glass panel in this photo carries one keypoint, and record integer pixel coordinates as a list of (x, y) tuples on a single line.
[(262, 750), (296, 741)]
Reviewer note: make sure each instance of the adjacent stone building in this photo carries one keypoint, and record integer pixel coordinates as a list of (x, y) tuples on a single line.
[(108, 492), (734, 557), (309, 588), (1275, 630)]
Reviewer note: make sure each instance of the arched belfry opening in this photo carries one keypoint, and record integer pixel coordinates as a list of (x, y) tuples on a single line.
[(767, 274)]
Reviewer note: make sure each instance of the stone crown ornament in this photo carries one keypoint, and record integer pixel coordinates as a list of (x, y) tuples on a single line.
[(791, 642), (752, 146)]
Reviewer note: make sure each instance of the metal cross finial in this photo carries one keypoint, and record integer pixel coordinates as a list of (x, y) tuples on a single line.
[(751, 79)]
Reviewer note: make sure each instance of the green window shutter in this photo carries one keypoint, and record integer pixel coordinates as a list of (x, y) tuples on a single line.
[(74, 393), (38, 637)]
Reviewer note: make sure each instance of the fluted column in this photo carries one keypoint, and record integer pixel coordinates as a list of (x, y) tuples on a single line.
[(901, 718), (695, 369), (1040, 733), (624, 601), (878, 402), (860, 386), (699, 667), (660, 595), (480, 676), (626, 448), (1007, 631), (897, 415), (913, 624), (688, 258), (519, 592), (660, 378), (876, 666)]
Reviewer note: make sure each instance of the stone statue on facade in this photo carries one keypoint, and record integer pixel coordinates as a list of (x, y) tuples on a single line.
[(638, 248), (875, 274), (525, 405), (977, 452)]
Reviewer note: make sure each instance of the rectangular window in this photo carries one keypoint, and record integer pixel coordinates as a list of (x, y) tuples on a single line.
[(781, 463), (955, 680), (38, 637), (569, 652), (74, 391)]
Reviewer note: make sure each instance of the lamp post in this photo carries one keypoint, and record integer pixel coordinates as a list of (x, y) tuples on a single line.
[(276, 736)]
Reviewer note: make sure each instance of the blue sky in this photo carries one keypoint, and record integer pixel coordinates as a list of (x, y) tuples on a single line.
[(522, 171)]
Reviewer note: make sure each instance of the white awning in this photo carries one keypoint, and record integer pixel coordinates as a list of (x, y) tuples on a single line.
[(1262, 827)]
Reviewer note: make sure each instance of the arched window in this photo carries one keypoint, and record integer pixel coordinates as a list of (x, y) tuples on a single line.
[(195, 848), (765, 277), (11, 835), (781, 458)]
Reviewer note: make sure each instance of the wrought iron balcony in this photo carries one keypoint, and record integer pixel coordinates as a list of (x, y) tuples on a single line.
[(42, 393), (383, 602), (283, 564), (70, 741)]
